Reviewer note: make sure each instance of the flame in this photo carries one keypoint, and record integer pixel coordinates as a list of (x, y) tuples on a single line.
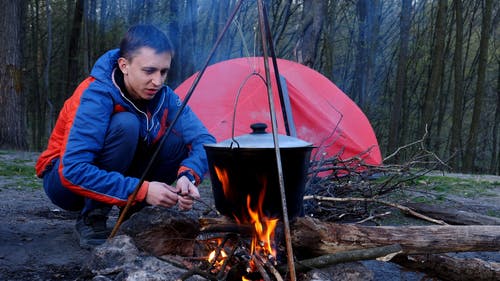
[(254, 214), (220, 259), (224, 179), (264, 227)]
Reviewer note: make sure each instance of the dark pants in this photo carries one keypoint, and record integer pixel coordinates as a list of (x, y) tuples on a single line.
[(122, 137)]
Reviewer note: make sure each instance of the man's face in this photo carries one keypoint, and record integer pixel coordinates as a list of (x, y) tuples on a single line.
[(145, 72)]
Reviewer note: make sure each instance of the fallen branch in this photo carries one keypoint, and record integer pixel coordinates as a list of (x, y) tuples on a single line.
[(454, 216), (453, 269), (373, 217), (348, 256)]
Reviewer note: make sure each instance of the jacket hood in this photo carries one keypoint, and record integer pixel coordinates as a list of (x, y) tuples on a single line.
[(103, 68)]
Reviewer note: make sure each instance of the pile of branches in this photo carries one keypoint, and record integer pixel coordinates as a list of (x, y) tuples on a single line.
[(351, 190)]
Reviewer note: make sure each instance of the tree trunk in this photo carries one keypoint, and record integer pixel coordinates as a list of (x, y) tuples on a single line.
[(313, 16), (495, 159), (458, 99), (187, 53), (315, 238), (74, 47), (397, 100), (175, 37), (280, 22), (368, 22), (12, 101), (45, 93), (36, 96), (431, 94), (470, 151)]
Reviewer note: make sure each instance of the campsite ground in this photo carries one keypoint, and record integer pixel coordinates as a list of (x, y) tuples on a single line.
[(37, 241)]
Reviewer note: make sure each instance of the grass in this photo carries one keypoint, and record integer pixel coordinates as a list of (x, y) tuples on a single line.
[(17, 168), (464, 187), (438, 189), (17, 173)]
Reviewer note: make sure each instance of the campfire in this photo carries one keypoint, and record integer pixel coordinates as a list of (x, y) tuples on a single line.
[(245, 259)]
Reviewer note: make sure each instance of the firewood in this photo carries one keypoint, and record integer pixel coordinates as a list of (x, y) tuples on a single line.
[(449, 268), (402, 208), (162, 231), (312, 238), (454, 216), (348, 256)]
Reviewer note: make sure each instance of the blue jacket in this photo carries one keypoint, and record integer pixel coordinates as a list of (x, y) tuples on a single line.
[(81, 129)]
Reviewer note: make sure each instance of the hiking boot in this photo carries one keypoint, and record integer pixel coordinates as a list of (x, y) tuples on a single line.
[(91, 228)]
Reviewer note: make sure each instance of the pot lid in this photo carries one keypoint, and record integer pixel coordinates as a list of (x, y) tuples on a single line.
[(259, 138)]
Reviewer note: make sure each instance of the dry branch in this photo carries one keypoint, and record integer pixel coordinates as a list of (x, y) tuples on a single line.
[(404, 209), (348, 256)]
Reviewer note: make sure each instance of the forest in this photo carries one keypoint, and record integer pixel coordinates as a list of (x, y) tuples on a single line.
[(418, 69)]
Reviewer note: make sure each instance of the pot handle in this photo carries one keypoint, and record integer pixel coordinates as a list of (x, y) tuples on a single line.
[(236, 102)]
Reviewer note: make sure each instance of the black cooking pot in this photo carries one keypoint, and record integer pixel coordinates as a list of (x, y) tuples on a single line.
[(246, 166)]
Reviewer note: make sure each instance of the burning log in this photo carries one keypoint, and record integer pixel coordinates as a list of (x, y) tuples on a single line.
[(162, 232), (312, 238)]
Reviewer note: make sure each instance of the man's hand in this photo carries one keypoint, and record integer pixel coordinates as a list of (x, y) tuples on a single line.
[(188, 192), (161, 194)]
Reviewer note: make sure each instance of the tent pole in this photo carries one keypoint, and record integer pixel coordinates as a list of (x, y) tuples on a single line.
[(285, 104)]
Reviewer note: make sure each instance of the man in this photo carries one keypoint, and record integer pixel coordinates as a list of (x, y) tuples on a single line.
[(109, 128)]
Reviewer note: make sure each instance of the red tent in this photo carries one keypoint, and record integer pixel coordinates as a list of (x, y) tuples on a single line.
[(321, 112)]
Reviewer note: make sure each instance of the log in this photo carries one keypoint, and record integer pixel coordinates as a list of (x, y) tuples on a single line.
[(449, 268), (454, 216), (312, 238), (384, 253), (163, 231)]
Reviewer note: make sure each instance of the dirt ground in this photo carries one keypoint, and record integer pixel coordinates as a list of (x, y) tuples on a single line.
[(36, 237)]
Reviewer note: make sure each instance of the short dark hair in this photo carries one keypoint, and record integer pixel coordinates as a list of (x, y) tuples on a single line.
[(139, 36)]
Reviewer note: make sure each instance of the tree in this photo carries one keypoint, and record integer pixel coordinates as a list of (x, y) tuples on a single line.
[(457, 115), (470, 151), (73, 65), (495, 159), (12, 107), (433, 87), (422, 68), (313, 16), (397, 100), (369, 23)]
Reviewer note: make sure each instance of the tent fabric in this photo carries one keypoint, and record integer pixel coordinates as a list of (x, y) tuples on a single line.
[(323, 115)]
